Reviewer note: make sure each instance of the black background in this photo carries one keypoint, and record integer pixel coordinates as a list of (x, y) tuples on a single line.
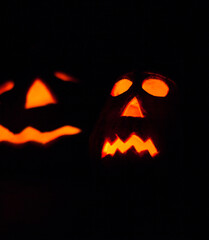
[(97, 41)]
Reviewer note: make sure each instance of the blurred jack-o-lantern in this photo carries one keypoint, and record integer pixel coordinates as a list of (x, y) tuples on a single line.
[(137, 119), (42, 144), (40, 121)]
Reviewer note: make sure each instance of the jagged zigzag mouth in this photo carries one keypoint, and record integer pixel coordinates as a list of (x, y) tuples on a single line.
[(110, 148), (30, 134)]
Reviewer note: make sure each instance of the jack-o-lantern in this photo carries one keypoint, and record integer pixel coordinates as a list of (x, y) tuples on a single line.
[(137, 120), (134, 147), (38, 95), (40, 121), (43, 155)]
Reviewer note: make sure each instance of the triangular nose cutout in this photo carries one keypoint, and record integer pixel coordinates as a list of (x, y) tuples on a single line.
[(133, 109), (39, 95)]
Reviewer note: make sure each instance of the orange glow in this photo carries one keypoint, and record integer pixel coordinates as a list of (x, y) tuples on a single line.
[(64, 77), (7, 86), (155, 87), (39, 95), (133, 109), (32, 134), (132, 141), (120, 87)]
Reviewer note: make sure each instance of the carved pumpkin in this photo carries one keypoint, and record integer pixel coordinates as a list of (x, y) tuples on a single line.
[(137, 118), (40, 120), (38, 95), (134, 147)]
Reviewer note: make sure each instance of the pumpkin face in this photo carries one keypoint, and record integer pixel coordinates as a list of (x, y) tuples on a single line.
[(137, 118), (38, 95), (40, 119)]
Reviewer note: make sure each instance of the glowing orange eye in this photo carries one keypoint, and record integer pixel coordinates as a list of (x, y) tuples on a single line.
[(7, 86), (39, 95), (120, 87), (155, 87), (65, 77)]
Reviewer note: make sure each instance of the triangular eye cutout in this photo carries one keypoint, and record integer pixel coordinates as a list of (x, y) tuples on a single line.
[(39, 95), (133, 109)]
